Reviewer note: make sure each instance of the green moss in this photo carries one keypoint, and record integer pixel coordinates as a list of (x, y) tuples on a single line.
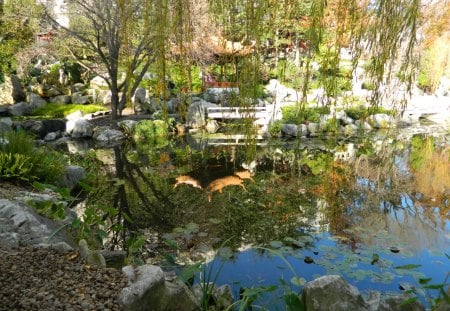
[(60, 110)]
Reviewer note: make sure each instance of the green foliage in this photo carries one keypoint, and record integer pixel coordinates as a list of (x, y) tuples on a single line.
[(19, 159), (297, 115), (52, 111), (19, 22), (275, 128), (361, 112), (368, 85), (13, 165), (421, 148), (319, 163), (151, 129)]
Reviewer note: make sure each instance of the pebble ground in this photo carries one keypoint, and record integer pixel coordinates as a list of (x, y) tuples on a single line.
[(42, 279)]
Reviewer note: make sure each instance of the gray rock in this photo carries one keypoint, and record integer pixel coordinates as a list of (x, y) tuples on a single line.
[(36, 101), (61, 99), (396, 303), (114, 259), (344, 118), (75, 115), (147, 289), (363, 125), (62, 247), (4, 127), (5, 124), (6, 92), (36, 127), (79, 98), (290, 130), (179, 297), (18, 93), (19, 109), (105, 97), (72, 175), (139, 97), (196, 115), (52, 136), (22, 225), (42, 127), (4, 109), (92, 257), (302, 130), (172, 105), (79, 128), (313, 129), (332, 292), (78, 87), (382, 120), (98, 82), (224, 296), (212, 126), (105, 134)]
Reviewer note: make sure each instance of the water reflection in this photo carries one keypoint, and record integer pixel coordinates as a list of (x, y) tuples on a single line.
[(344, 202)]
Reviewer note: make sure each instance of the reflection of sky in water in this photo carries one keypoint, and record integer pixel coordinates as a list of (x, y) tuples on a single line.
[(256, 268)]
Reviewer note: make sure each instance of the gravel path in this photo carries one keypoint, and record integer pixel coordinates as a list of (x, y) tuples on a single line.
[(42, 279)]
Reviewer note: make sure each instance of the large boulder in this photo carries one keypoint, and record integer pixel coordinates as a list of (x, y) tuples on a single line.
[(107, 135), (98, 83), (6, 92), (148, 289), (332, 292), (19, 109), (291, 130), (61, 99), (21, 225), (72, 175), (5, 124), (42, 127), (79, 98), (36, 101), (196, 115), (79, 128)]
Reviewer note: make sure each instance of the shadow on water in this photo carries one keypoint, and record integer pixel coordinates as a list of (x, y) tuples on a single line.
[(363, 209)]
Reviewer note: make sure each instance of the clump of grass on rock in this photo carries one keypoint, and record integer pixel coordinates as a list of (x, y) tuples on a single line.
[(21, 160)]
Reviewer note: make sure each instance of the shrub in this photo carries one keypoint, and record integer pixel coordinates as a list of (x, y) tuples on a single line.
[(275, 128), (19, 159), (148, 129), (297, 115)]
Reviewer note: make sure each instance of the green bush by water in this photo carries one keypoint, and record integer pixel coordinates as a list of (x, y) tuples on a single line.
[(60, 110), (20, 160), (296, 115)]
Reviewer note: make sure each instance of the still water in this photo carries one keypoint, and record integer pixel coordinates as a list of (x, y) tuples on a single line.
[(374, 210)]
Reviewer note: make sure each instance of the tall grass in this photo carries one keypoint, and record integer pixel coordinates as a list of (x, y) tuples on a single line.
[(21, 160)]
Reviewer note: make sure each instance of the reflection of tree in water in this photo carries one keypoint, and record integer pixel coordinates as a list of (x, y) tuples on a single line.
[(393, 201)]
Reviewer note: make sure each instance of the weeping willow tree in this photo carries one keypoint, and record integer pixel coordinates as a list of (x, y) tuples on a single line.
[(383, 32)]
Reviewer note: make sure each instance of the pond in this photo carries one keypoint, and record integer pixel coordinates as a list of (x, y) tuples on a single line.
[(375, 210)]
